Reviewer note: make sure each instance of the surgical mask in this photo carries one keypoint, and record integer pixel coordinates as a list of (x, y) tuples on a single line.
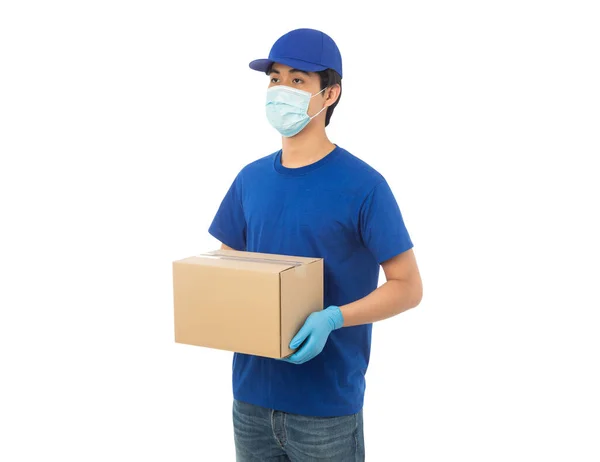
[(287, 109)]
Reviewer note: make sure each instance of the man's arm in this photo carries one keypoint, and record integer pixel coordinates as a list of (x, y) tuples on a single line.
[(402, 290)]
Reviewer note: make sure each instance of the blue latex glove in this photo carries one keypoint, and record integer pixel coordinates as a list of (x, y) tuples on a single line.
[(314, 334)]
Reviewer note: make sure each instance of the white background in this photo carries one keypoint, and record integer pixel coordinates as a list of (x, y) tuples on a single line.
[(122, 125)]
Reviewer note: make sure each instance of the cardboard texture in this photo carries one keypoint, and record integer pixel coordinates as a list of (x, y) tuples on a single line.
[(247, 302)]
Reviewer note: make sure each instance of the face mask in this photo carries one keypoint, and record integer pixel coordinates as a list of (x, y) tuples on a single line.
[(286, 109)]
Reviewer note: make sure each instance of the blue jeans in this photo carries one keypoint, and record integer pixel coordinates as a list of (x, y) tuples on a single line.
[(263, 434)]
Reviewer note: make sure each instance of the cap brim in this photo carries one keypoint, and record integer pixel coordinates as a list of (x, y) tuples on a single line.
[(262, 65)]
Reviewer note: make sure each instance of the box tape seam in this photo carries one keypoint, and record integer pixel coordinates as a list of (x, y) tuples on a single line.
[(251, 259)]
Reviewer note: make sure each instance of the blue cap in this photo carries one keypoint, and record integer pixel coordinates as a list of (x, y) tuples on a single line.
[(308, 50)]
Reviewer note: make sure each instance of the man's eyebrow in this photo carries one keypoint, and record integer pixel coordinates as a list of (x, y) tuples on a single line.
[(292, 71), (298, 70)]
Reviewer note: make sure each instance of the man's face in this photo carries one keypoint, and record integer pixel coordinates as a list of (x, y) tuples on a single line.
[(294, 78)]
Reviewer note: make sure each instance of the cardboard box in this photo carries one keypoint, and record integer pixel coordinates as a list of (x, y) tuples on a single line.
[(246, 302)]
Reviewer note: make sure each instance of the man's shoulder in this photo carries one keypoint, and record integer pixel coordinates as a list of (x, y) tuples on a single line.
[(259, 165), (357, 169), (357, 163)]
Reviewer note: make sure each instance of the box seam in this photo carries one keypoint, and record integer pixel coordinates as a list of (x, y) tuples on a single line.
[(280, 319)]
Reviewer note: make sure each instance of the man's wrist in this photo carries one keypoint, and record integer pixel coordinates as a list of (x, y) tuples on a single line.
[(336, 316)]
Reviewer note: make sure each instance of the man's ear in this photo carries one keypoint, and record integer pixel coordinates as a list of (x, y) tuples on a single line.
[(332, 94)]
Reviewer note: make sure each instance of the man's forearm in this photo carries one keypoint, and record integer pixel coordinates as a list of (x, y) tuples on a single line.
[(390, 299)]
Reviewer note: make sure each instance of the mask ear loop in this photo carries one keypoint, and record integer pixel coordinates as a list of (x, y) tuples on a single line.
[(319, 92), (324, 107)]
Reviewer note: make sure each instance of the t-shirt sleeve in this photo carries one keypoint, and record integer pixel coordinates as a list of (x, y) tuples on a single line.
[(381, 224), (229, 223)]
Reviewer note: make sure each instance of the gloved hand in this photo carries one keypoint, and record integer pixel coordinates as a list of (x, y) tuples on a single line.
[(314, 334)]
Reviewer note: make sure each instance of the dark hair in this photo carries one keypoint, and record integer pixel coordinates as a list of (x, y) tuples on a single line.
[(328, 78)]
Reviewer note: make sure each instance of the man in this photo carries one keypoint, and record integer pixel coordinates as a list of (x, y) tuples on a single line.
[(313, 198)]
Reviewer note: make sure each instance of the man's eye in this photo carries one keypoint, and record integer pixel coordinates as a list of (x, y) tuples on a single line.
[(297, 80), (274, 80)]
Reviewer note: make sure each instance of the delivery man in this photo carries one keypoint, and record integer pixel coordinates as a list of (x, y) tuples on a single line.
[(313, 198)]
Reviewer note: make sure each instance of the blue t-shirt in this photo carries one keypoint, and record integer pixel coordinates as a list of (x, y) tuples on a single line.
[(338, 208)]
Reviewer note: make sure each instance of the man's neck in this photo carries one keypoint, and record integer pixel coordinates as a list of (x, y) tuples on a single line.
[(305, 148)]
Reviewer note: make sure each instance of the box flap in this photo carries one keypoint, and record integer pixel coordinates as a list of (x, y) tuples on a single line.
[(269, 263), (266, 256)]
